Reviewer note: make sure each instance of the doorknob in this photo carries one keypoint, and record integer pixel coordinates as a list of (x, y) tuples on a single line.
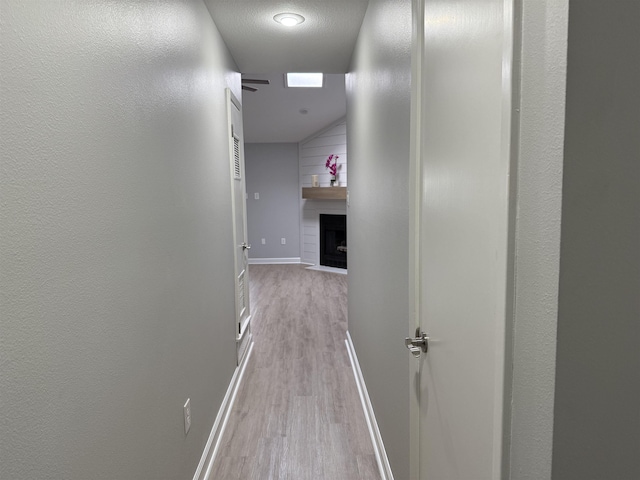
[(245, 246), (418, 344)]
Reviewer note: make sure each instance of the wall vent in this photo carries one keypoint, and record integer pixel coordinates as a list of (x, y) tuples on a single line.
[(236, 158), (242, 305)]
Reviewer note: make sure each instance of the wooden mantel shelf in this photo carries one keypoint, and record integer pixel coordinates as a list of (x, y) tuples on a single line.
[(325, 193)]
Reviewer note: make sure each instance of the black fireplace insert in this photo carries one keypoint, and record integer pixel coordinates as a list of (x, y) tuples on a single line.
[(333, 240)]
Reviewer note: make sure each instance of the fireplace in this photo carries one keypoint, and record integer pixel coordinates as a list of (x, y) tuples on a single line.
[(333, 240)]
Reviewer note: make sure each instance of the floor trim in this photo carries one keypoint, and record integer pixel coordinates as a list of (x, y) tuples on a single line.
[(243, 343), (274, 261), (372, 424), (213, 443), (322, 268)]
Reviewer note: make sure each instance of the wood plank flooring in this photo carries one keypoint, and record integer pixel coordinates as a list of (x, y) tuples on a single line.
[(297, 415)]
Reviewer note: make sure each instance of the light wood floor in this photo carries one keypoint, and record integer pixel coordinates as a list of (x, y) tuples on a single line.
[(297, 415)]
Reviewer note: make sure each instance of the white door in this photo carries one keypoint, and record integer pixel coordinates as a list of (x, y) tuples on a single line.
[(462, 231), (239, 206)]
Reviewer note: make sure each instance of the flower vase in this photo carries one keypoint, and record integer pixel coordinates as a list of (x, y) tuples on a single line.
[(333, 180)]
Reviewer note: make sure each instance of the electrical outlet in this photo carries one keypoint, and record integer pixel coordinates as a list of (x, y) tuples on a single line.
[(283, 241), (187, 416), (264, 241), (256, 196)]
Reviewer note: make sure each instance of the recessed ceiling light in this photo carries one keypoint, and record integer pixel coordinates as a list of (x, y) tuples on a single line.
[(289, 19)]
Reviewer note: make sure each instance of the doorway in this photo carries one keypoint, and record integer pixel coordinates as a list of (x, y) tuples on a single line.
[(291, 133)]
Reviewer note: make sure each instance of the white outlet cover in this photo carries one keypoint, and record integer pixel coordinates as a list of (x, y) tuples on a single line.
[(264, 241), (283, 241), (256, 196), (187, 416)]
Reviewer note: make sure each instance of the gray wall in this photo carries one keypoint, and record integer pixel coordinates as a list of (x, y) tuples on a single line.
[(597, 401), (116, 274), (378, 120), (272, 172)]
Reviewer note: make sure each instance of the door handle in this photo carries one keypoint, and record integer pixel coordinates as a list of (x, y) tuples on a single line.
[(246, 246), (417, 344)]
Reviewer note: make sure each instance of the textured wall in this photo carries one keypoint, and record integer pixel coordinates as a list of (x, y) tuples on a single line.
[(116, 274), (537, 250), (597, 401), (272, 172), (378, 113)]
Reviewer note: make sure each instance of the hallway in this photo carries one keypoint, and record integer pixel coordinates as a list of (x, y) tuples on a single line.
[(297, 414)]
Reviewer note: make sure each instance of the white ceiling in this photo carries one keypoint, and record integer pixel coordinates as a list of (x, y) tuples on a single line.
[(276, 114), (324, 42)]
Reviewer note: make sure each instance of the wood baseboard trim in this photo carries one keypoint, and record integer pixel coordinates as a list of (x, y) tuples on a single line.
[(372, 424), (274, 261), (213, 443)]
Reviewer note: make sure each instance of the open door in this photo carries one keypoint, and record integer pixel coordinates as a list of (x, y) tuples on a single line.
[(239, 206), (462, 128)]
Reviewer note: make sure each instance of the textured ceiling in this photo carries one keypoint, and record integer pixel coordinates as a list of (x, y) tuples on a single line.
[(323, 43), (264, 49), (273, 113)]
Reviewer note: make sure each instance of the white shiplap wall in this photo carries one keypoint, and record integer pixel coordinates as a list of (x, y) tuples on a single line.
[(315, 150), (313, 155)]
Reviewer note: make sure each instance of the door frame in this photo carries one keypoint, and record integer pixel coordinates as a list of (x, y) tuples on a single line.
[(415, 214), (242, 328)]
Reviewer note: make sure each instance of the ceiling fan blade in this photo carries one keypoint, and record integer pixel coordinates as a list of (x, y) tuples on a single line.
[(258, 82), (250, 89)]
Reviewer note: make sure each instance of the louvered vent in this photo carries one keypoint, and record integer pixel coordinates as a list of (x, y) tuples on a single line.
[(236, 158), (241, 297)]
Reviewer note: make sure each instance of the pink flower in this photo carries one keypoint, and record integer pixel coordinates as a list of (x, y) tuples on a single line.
[(332, 164), (328, 162)]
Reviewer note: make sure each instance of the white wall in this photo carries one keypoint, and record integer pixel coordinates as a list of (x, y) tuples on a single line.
[(576, 384), (539, 119), (272, 173), (315, 150), (313, 156), (116, 273), (378, 113), (597, 396)]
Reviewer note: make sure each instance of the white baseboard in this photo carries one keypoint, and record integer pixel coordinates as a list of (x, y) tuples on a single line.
[(274, 261), (374, 431), (242, 343), (322, 268), (203, 472)]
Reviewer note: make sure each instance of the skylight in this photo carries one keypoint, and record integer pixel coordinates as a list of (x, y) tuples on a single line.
[(304, 80)]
